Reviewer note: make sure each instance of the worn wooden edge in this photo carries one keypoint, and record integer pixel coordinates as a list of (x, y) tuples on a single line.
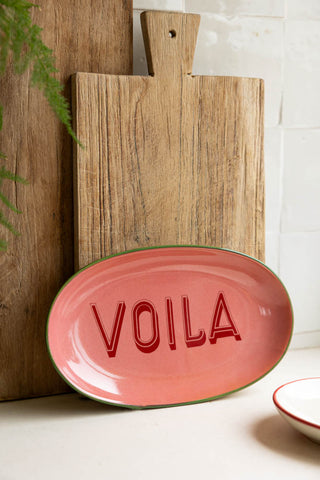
[(77, 77), (262, 226), (75, 150)]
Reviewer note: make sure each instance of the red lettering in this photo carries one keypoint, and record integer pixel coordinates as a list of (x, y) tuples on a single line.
[(145, 346), (220, 331), (191, 340), (171, 334), (222, 325), (111, 345)]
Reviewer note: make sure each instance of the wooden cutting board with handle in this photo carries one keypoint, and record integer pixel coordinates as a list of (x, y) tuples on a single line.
[(170, 158)]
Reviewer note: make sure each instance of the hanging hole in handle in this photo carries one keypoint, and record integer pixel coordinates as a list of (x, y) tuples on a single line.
[(172, 33)]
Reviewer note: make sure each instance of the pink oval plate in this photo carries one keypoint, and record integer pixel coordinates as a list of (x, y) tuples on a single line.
[(299, 403), (169, 325)]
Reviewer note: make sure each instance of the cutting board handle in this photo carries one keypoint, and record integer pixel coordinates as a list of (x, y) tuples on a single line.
[(170, 41)]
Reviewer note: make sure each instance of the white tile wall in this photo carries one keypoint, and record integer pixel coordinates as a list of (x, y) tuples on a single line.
[(278, 40), (303, 9), (245, 47), (273, 172), (299, 270), (270, 8), (301, 93), (301, 181), (272, 251)]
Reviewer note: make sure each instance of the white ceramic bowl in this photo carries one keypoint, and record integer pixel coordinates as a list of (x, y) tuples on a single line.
[(299, 403)]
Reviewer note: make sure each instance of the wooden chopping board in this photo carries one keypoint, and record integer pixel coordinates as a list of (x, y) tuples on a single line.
[(94, 36), (170, 158)]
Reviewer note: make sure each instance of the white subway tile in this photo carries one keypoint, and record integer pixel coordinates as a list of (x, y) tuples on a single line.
[(301, 101), (299, 270), (248, 47), (272, 251), (139, 54), (273, 166), (301, 181), (270, 8), (172, 5), (306, 9), (309, 339)]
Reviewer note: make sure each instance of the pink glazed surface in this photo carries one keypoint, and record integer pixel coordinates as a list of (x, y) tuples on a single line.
[(153, 364)]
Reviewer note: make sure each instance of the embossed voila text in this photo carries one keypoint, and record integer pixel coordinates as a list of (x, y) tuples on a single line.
[(192, 339)]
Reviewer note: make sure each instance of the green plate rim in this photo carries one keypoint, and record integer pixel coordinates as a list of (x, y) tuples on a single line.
[(192, 402)]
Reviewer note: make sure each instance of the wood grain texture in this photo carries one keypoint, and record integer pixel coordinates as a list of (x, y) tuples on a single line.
[(171, 158), (85, 35)]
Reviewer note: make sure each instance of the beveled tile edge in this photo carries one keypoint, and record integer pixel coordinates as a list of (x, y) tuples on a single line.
[(305, 340)]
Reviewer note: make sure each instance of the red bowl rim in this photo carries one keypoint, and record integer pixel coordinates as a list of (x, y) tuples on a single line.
[(282, 409)]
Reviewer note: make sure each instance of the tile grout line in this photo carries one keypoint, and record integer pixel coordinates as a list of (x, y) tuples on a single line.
[(307, 332)]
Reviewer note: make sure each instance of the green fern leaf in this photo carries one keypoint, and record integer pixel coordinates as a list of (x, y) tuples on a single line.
[(3, 245), (12, 176), (5, 222), (6, 201)]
